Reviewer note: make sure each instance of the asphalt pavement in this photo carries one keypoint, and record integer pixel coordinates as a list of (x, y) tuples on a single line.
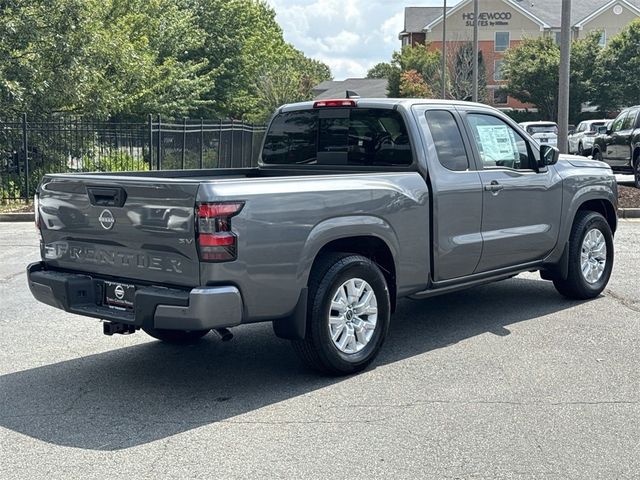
[(508, 380)]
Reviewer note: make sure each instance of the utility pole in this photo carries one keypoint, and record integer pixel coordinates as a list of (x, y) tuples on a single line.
[(563, 84), (444, 50), (476, 14)]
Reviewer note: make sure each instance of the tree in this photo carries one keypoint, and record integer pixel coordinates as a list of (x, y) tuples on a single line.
[(126, 58), (585, 54), (380, 70), (102, 58), (531, 70), (412, 85), (616, 83), (289, 80), (460, 69), (419, 58)]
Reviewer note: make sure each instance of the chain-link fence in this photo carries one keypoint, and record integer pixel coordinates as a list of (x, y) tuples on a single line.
[(31, 148)]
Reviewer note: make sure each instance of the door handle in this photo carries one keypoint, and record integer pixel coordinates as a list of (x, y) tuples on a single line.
[(493, 187)]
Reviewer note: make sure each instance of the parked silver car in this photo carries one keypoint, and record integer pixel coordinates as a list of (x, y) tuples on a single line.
[(581, 139), (543, 132)]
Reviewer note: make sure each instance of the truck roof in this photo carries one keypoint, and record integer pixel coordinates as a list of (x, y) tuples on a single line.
[(383, 103)]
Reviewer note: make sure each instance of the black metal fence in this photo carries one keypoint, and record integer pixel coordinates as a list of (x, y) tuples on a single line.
[(31, 148)]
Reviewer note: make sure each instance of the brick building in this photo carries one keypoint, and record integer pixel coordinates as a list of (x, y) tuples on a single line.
[(505, 23)]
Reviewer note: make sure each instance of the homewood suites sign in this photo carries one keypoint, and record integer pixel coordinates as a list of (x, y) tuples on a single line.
[(488, 19)]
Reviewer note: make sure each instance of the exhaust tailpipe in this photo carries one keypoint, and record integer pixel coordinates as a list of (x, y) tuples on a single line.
[(224, 334)]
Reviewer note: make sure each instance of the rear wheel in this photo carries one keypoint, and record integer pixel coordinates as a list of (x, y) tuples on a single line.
[(348, 315), (179, 337), (590, 257), (636, 170)]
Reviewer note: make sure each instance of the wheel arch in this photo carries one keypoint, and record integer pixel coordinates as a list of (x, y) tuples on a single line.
[(602, 206), (371, 247)]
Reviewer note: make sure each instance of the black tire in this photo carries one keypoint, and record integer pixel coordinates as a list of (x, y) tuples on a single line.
[(576, 286), (636, 170), (318, 350), (580, 149), (597, 155), (177, 337)]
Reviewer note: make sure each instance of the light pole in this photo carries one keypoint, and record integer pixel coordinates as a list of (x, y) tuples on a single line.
[(444, 50), (476, 14), (563, 84)]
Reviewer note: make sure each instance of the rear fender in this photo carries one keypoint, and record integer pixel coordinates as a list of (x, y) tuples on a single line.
[(344, 227)]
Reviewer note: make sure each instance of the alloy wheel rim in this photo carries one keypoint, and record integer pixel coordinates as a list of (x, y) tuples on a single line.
[(353, 316), (593, 255)]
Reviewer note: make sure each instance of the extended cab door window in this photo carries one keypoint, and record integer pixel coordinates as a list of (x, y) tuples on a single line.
[(498, 144), (447, 140)]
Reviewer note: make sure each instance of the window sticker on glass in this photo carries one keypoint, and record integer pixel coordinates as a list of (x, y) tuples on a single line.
[(497, 143)]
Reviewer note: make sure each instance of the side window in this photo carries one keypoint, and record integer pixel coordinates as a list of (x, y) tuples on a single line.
[(630, 121), (499, 145), (616, 126), (447, 140)]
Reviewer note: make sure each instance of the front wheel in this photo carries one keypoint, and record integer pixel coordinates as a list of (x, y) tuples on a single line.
[(590, 257), (636, 171), (580, 149), (179, 337), (348, 315)]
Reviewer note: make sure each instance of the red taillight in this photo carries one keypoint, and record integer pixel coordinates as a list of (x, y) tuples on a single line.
[(216, 241), (334, 103)]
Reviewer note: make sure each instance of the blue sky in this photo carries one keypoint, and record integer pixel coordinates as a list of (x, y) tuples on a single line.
[(348, 35)]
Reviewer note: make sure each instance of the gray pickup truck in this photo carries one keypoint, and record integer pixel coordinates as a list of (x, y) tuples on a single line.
[(355, 204)]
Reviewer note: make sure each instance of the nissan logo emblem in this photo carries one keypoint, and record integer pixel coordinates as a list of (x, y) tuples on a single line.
[(106, 219), (119, 291)]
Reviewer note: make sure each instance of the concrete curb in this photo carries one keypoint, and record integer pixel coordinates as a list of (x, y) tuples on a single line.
[(629, 212), (17, 217)]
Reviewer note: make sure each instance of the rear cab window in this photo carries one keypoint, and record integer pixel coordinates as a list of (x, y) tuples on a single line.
[(338, 136), (542, 128)]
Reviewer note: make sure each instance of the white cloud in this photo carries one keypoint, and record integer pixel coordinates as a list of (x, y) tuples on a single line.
[(348, 35)]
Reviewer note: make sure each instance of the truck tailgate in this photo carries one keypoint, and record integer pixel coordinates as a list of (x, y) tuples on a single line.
[(126, 227)]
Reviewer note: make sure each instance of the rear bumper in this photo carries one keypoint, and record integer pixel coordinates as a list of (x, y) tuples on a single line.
[(155, 307)]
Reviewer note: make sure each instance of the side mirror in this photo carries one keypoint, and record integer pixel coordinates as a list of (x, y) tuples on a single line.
[(548, 156), (602, 130), (571, 132)]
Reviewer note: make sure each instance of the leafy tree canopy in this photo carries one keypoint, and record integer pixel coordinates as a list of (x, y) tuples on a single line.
[(616, 82), (126, 58), (532, 73), (417, 58), (380, 70)]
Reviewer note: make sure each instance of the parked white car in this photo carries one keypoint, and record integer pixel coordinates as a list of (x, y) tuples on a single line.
[(581, 139), (544, 132)]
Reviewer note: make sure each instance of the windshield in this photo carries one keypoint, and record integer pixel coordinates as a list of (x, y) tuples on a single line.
[(550, 128)]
